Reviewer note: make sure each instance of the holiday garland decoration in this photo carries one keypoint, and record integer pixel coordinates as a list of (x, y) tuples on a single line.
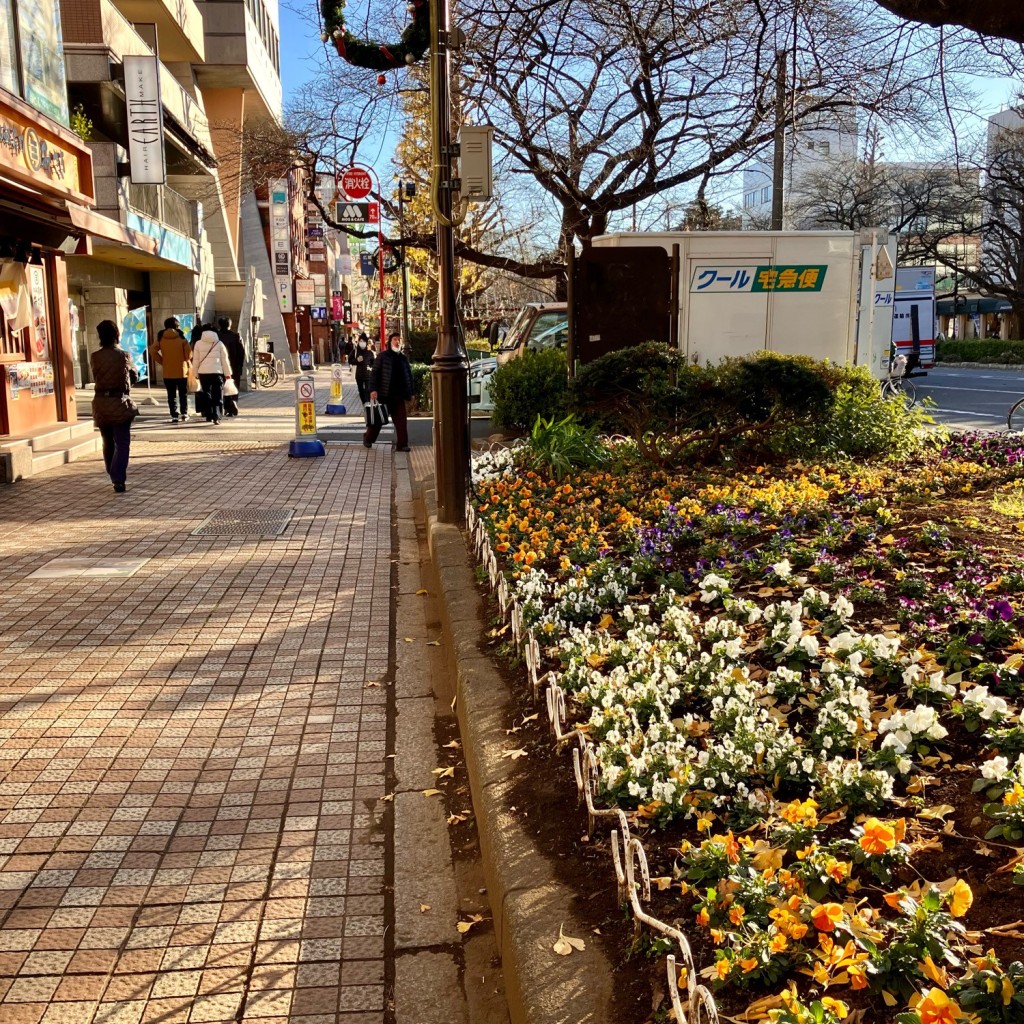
[(363, 53)]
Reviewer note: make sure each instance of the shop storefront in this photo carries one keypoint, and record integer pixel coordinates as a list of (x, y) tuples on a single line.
[(46, 189)]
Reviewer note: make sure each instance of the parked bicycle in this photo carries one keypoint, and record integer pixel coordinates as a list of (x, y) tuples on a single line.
[(264, 372)]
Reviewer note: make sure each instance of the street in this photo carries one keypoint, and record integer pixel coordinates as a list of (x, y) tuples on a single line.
[(972, 399)]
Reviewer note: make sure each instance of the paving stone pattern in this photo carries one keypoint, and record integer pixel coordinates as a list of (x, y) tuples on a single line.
[(191, 760)]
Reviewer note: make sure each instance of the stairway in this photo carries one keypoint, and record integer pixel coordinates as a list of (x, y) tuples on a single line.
[(22, 457)]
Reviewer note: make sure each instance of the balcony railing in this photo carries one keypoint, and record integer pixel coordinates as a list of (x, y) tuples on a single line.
[(162, 204)]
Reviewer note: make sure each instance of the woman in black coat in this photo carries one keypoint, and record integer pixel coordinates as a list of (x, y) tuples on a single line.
[(362, 359)]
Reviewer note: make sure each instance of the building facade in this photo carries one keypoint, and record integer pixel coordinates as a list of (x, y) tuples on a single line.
[(46, 215)]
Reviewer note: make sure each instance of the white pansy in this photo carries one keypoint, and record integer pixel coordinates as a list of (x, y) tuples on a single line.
[(783, 569)]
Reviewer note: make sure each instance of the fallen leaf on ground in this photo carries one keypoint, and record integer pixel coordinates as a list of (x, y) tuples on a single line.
[(420, 592), (565, 944), (424, 907), (444, 773), (530, 718), (433, 643), (432, 792), (464, 926), (455, 744), (372, 682), (663, 883), (456, 819), (409, 639), (514, 755), (936, 813), (388, 798)]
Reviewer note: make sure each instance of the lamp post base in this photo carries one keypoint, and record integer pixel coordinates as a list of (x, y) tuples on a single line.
[(451, 435), (307, 448)]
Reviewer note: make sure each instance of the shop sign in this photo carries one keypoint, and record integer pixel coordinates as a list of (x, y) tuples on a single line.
[(280, 236), (145, 119), (35, 379), (39, 157), (40, 332), (303, 292)]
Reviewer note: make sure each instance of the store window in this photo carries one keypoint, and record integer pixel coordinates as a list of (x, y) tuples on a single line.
[(8, 49)]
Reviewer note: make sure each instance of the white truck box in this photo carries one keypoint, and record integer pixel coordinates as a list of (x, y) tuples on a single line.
[(826, 294)]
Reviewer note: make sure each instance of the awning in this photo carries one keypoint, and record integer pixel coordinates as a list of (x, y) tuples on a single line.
[(987, 304), (98, 226)]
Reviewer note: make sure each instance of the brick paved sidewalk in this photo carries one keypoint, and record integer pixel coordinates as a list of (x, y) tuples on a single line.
[(192, 757)]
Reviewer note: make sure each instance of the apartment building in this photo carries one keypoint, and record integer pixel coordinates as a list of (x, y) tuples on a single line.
[(161, 90)]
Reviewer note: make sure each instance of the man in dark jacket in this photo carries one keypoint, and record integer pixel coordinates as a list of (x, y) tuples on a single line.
[(236, 356), (391, 383)]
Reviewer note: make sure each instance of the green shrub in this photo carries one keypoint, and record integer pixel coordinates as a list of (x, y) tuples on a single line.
[(531, 385), (670, 408), (421, 345), (558, 447), (859, 423), (423, 387), (980, 350)]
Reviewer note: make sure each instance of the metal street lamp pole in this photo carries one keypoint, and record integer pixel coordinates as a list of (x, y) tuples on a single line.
[(449, 368)]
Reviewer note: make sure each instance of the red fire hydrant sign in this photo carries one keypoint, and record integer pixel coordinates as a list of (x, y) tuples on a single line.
[(355, 182)]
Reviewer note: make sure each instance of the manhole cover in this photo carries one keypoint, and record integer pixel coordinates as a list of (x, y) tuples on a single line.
[(245, 522), (70, 568)]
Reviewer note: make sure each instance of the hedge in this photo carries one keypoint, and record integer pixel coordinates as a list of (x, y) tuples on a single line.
[(979, 350)]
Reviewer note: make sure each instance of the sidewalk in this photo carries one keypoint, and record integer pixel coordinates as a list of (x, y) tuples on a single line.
[(193, 742)]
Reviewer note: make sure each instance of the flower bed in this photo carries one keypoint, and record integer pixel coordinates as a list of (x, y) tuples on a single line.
[(802, 682)]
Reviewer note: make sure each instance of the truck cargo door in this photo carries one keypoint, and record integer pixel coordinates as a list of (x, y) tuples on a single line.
[(621, 297), (725, 315)]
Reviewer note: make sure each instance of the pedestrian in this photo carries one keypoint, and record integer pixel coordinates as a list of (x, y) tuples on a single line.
[(363, 362), (112, 407), (213, 364), (173, 353), (236, 354), (348, 351), (391, 383)]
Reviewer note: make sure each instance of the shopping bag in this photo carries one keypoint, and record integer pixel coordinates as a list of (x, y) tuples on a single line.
[(230, 387), (376, 414), (202, 403), (193, 380)]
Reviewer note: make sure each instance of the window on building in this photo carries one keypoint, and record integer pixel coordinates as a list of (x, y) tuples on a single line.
[(766, 194), (823, 148)]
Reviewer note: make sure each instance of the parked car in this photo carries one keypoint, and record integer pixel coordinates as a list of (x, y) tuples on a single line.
[(537, 326)]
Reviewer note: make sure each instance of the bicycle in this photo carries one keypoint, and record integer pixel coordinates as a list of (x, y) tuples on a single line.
[(899, 388), (264, 375), (1015, 417)]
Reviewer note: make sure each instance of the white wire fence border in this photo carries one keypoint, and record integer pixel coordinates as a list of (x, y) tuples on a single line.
[(694, 1004)]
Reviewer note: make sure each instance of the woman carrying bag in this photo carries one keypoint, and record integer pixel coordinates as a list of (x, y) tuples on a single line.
[(112, 407), (210, 360)]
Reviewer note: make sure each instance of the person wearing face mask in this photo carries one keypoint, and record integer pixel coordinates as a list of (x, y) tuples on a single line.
[(362, 359), (391, 383)]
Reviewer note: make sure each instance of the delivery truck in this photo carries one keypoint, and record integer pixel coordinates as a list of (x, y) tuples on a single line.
[(715, 294)]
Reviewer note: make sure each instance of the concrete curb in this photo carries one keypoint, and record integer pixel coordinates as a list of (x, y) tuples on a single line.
[(1005, 367), (527, 900)]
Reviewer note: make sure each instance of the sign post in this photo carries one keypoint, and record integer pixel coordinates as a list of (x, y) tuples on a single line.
[(335, 405), (305, 444), (356, 183)]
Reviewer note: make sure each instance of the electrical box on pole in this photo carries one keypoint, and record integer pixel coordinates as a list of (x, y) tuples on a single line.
[(475, 162)]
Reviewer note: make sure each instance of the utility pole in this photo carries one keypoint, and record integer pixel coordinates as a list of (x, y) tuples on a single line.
[(779, 163), (406, 189), (448, 367)]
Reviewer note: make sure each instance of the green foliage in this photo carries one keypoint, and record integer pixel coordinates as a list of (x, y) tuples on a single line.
[(81, 123), (859, 423), (978, 350), (420, 345), (423, 387), (994, 994), (534, 384), (669, 408), (558, 447)]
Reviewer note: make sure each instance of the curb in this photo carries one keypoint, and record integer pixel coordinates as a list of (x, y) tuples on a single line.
[(528, 903), (1005, 367)]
